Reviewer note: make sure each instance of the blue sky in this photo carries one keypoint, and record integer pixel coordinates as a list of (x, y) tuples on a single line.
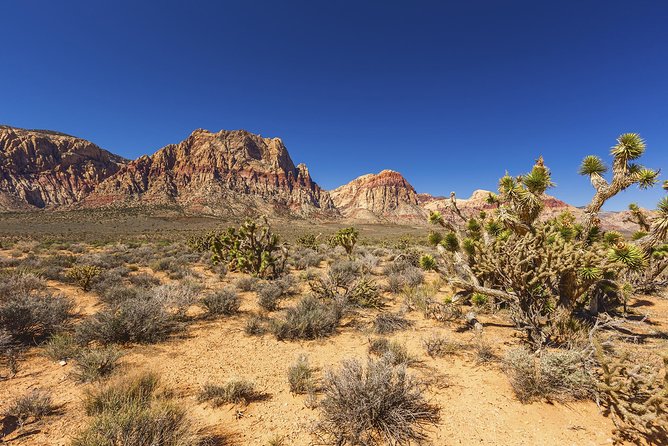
[(451, 94)]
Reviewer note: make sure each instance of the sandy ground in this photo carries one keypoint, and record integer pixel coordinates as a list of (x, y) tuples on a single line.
[(477, 402)]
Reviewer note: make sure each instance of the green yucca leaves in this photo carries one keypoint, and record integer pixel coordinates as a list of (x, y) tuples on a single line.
[(631, 256), (629, 147), (592, 165), (435, 218), (590, 273), (427, 262), (468, 246), (538, 180), (450, 242), (646, 177), (434, 238), (612, 237)]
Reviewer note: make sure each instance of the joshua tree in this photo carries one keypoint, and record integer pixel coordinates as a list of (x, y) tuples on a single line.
[(347, 237)]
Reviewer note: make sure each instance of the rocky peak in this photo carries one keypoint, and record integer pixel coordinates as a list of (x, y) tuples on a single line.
[(382, 196), (227, 171), (41, 168)]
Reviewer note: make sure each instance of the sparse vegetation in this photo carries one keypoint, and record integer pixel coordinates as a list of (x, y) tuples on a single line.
[(234, 391), (301, 376), (222, 302), (376, 405), (96, 363), (83, 275), (309, 319), (31, 406)]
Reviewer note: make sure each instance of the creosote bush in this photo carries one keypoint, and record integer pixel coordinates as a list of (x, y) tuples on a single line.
[(374, 405)]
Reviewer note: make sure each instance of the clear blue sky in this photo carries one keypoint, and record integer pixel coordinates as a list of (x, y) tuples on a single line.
[(451, 94)]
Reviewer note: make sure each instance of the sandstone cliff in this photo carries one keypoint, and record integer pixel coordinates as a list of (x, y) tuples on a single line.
[(385, 196), (228, 172), (44, 169)]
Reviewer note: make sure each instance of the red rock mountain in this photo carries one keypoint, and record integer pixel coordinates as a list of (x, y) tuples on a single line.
[(385, 196), (44, 169), (219, 173)]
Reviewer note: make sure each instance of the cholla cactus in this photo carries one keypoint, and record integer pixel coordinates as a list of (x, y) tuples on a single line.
[(253, 248), (83, 275), (634, 394), (347, 238), (536, 267)]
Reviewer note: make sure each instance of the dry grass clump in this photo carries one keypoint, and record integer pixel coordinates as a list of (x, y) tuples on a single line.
[(386, 323), (301, 376), (129, 412), (440, 346), (96, 363), (234, 391), (559, 375), (393, 351), (61, 347), (35, 405), (222, 302), (256, 325), (376, 405), (309, 319), (269, 296), (247, 283)]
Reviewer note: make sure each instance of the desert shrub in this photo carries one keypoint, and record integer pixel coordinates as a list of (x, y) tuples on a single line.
[(394, 284), (376, 405), (133, 320), (28, 312), (144, 280), (222, 302), (346, 238), (412, 277), (345, 272), (256, 326), (439, 346), (176, 297), (306, 258), (61, 347), (35, 405), (246, 283), (96, 363), (20, 282), (368, 262), (269, 296), (385, 323), (554, 374), (83, 275), (309, 319), (405, 277), (234, 391), (117, 293), (301, 376), (129, 413), (394, 351), (364, 294)]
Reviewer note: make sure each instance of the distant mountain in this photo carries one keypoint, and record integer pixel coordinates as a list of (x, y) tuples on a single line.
[(228, 172), (46, 169), (385, 196), (223, 173)]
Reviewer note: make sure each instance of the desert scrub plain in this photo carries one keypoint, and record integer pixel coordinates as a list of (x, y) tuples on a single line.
[(499, 328)]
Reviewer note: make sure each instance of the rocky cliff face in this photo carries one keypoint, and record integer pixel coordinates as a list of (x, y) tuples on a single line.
[(385, 196), (44, 169), (220, 173)]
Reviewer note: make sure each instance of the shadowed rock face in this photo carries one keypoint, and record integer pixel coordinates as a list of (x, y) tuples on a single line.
[(43, 169), (383, 196), (221, 173)]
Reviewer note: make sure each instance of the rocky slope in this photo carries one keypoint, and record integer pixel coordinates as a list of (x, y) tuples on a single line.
[(44, 169), (228, 172), (385, 196)]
